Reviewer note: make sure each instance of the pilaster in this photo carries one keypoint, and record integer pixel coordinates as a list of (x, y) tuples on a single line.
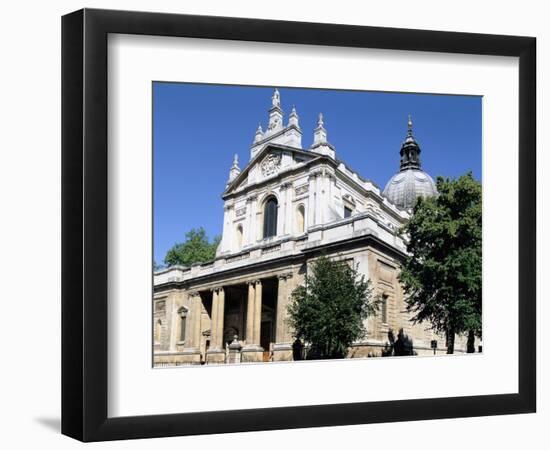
[(251, 228), (191, 351), (318, 193), (286, 211), (311, 200), (282, 348)]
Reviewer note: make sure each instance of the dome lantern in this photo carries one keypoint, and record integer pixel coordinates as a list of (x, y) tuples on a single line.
[(410, 150), (411, 181)]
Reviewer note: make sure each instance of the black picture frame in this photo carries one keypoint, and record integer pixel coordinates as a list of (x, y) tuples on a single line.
[(84, 224)]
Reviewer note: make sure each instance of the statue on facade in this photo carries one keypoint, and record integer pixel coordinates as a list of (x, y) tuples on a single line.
[(276, 99)]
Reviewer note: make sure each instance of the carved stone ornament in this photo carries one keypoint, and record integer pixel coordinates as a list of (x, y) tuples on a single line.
[(271, 164), (285, 185), (348, 198), (160, 305)]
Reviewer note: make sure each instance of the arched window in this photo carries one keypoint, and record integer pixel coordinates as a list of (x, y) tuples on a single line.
[(239, 237), (270, 217), (300, 219)]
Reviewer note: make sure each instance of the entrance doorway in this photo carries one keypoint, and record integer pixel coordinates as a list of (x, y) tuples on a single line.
[(266, 338)]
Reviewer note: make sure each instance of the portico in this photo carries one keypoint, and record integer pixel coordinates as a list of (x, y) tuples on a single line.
[(251, 312)]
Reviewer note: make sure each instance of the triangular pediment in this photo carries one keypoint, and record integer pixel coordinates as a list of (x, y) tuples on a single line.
[(268, 162)]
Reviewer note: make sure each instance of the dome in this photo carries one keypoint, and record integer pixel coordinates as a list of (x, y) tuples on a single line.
[(411, 181), (405, 186)]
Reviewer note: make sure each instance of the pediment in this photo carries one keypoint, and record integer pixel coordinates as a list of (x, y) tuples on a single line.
[(267, 163)]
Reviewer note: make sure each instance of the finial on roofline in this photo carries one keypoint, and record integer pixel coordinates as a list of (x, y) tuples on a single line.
[(293, 118), (259, 133), (320, 121), (320, 134), (235, 169), (320, 143)]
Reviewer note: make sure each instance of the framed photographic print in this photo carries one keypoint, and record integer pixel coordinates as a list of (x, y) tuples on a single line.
[(273, 224)]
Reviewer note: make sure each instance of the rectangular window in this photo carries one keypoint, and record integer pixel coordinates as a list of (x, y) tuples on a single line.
[(347, 212), (384, 309)]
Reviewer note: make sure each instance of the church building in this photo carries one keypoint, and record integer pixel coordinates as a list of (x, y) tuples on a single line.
[(287, 206)]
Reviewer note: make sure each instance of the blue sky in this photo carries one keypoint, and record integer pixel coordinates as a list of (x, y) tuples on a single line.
[(198, 128)]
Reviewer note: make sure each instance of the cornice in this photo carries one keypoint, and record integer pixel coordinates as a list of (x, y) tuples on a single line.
[(300, 257)]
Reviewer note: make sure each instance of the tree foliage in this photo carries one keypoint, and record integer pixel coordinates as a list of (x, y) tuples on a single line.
[(196, 249), (442, 274), (329, 310)]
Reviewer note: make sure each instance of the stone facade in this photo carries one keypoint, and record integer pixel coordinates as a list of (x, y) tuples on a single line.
[(288, 206)]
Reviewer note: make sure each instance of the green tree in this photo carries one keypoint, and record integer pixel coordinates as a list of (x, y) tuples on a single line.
[(329, 310), (196, 249), (442, 274)]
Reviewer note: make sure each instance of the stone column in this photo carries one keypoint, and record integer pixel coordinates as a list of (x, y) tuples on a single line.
[(221, 310), (282, 349), (214, 319), (250, 313), (216, 352), (191, 350), (252, 352), (257, 312)]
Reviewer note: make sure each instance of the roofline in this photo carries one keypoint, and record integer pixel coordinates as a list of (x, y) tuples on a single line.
[(316, 159)]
